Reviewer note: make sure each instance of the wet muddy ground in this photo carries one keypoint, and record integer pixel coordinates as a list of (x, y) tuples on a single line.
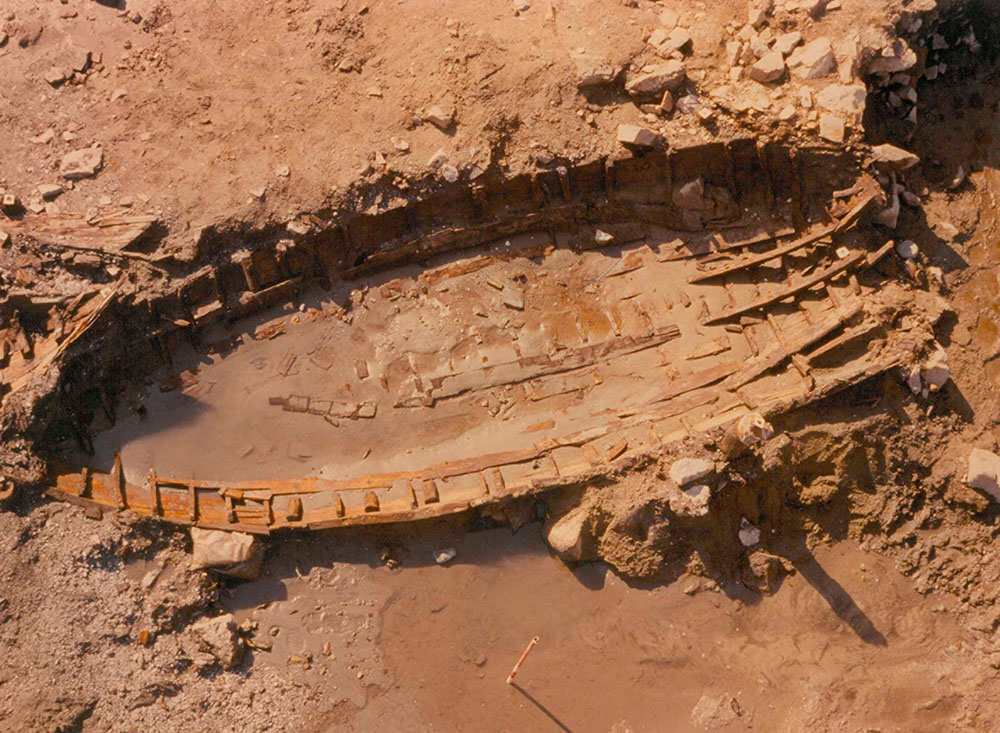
[(846, 639)]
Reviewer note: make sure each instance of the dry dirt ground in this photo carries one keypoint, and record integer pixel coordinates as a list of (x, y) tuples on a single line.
[(875, 606)]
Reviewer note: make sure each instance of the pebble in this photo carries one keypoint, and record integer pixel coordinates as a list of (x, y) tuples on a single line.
[(49, 191), (440, 117), (639, 137), (83, 163), (907, 249), (445, 555)]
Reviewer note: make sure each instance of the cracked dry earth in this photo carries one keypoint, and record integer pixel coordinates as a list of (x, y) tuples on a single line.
[(347, 347)]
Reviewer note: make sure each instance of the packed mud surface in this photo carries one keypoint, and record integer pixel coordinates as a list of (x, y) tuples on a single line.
[(345, 348)]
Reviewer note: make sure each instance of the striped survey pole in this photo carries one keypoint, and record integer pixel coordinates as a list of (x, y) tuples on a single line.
[(513, 672)]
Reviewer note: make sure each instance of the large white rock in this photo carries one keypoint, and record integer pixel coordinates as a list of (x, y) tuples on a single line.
[(814, 60), (218, 637), (685, 471), (213, 548), (565, 535), (234, 553), (984, 472), (893, 59)]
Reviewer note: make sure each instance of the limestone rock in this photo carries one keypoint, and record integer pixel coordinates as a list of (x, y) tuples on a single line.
[(786, 42), (666, 77), (690, 195), (83, 163), (757, 12), (685, 471), (445, 555), (893, 59), (218, 637), (935, 371), (594, 72), (844, 99), (440, 117), (717, 711), (831, 128), (234, 553), (814, 60), (49, 191), (639, 137), (769, 68), (565, 535), (984, 472), (890, 158), (691, 501), (907, 249)]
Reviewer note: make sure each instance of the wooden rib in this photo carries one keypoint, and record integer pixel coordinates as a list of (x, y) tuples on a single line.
[(847, 336), (805, 284), (783, 350), (754, 260)]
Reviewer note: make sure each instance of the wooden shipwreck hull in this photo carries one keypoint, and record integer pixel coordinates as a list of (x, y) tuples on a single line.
[(773, 314)]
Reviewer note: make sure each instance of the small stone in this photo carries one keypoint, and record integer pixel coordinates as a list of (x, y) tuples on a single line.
[(688, 470), (786, 42), (769, 68), (668, 76), (749, 535), (635, 136), (690, 195), (890, 158), (935, 371), (218, 637), (45, 138), (445, 555), (437, 160), (907, 249), (910, 199), (831, 128), (758, 11), (448, 172), (984, 472), (844, 99), (668, 19), (84, 163), (282, 171), (49, 191), (814, 60), (786, 113), (440, 117), (594, 72), (55, 76)]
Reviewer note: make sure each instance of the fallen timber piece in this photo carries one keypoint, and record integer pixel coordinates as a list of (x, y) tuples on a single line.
[(811, 281), (78, 331), (312, 503), (111, 233), (772, 357), (754, 260), (836, 228)]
